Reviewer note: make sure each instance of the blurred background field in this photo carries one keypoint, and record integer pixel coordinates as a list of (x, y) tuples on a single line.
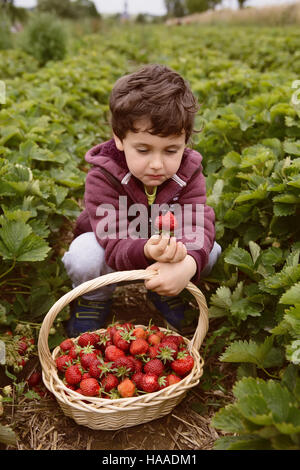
[(59, 63)]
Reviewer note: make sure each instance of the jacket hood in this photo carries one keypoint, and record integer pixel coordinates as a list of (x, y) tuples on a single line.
[(107, 156)]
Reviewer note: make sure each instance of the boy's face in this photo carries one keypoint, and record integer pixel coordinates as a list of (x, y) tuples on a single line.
[(150, 158)]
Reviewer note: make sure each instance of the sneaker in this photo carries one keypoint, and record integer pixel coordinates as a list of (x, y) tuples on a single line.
[(172, 309), (87, 315)]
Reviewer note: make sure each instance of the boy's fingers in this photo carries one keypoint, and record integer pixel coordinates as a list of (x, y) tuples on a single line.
[(181, 252), (171, 249), (155, 239), (164, 241)]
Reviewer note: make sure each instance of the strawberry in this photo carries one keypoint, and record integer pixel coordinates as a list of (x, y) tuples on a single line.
[(22, 362), (87, 356), (34, 379), (139, 346), (154, 366), (112, 328), (138, 365), (136, 378), (95, 368), (174, 338), (172, 379), (66, 345), (161, 334), (166, 222), (154, 339), (89, 387), (98, 368), (104, 341), (162, 382), (140, 333), (126, 388), (167, 352), (124, 366), (122, 338), (109, 382), (183, 364), (127, 326), (153, 351), (86, 375), (169, 342), (149, 383), (112, 353), (96, 339), (71, 387), (22, 347), (153, 328), (62, 362), (73, 374), (167, 380), (74, 350), (87, 338), (40, 390)]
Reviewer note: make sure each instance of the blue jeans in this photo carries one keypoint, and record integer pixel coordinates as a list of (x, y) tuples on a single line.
[(85, 260)]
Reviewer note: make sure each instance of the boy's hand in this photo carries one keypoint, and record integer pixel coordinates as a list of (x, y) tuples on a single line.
[(172, 278), (159, 249)]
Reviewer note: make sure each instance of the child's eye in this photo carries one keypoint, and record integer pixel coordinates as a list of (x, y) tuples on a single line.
[(171, 151), (142, 150)]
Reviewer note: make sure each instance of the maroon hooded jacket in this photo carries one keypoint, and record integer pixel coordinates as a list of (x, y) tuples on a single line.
[(109, 178)]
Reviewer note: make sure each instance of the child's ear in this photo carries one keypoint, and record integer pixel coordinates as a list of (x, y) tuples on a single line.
[(118, 142)]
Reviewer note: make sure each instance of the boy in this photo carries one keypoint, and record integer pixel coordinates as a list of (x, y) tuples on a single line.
[(146, 161)]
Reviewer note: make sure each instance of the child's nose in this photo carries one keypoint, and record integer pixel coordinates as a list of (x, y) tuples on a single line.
[(156, 162)]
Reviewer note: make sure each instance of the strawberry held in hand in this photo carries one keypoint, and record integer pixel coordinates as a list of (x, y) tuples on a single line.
[(166, 223)]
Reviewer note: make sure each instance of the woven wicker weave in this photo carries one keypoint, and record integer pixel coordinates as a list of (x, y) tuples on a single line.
[(101, 413)]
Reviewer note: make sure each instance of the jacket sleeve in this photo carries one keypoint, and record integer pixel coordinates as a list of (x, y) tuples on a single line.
[(121, 254), (198, 222)]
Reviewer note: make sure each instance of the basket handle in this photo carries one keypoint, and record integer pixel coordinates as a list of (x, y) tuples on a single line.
[(106, 279)]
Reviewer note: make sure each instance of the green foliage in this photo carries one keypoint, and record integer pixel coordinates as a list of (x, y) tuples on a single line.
[(175, 8), (44, 38), (265, 415), (6, 40), (69, 9), (198, 6)]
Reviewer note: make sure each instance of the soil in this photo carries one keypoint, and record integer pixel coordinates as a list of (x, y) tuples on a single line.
[(41, 424)]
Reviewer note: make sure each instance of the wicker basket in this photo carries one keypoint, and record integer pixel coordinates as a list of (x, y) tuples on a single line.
[(112, 414)]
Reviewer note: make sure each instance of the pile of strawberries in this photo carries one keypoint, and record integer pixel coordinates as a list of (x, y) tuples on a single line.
[(123, 361)]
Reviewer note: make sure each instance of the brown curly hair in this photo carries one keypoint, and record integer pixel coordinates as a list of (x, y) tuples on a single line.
[(157, 93)]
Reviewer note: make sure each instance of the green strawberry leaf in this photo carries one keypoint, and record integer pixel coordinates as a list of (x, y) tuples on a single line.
[(242, 259), (19, 243), (292, 295), (243, 351)]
